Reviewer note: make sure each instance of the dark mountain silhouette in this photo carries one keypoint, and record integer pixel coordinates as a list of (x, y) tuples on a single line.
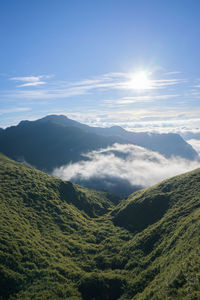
[(57, 140), (47, 145), (168, 144)]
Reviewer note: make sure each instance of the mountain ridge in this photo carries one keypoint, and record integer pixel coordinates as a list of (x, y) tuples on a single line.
[(54, 141), (141, 138)]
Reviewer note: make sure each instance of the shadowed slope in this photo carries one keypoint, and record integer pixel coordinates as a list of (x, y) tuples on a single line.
[(47, 145), (54, 141), (147, 206), (168, 144), (47, 240)]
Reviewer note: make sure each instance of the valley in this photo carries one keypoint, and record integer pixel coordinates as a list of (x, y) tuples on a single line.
[(63, 241)]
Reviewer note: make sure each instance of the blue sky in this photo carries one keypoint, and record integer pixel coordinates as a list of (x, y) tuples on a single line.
[(83, 59)]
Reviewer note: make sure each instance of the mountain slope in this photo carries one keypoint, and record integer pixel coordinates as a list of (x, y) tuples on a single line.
[(166, 221), (147, 206), (61, 241), (47, 243)]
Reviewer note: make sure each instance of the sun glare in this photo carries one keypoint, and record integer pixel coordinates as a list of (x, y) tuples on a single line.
[(140, 81)]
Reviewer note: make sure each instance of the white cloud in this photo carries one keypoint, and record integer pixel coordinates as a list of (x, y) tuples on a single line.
[(30, 80), (13, 110), (195, 144), (172, 73), (26, 78), (32, 83), (64, 89), (142, 98), (140, 120), (123, 81), (136, 165), (114, 101)]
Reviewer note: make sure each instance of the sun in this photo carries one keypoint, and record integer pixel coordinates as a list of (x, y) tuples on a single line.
[(140, 81)]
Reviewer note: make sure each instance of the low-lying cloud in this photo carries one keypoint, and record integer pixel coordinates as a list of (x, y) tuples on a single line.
[(122, 169), (195, 144)]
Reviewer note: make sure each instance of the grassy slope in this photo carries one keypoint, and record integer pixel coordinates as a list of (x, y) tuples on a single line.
[(47, 245), (61, 241), (170, 245)]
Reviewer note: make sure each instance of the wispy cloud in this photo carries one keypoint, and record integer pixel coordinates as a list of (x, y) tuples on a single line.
[(30, 80), (111, 98), (65, 89), (136, 99), (197, 86), (14, 110), (173, 73), (124, 81)]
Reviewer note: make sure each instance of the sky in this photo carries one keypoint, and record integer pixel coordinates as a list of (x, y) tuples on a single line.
[(133, 63)]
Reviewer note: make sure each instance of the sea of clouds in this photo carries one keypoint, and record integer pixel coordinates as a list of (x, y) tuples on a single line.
[(122, 169), (195, 144)]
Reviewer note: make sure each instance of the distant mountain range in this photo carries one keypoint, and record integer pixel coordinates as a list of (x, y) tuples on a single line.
[(56, 140), (63, 241), (168, 144)]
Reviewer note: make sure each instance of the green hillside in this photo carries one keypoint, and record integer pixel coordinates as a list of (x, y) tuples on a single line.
[(62, 241), (166, 221)]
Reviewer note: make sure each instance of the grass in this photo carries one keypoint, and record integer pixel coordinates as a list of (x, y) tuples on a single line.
[(63, 241)]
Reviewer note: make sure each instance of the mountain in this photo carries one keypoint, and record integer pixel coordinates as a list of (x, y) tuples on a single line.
[(150, 205), (54, 141), (168, 144), (47, 145), (62, 241)]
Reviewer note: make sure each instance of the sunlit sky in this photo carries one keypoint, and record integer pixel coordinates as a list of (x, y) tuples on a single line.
[(125, 62)]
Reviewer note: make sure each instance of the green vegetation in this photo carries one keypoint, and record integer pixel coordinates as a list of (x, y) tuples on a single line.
[(62, 241)]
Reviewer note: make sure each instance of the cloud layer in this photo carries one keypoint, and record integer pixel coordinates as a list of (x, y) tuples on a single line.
[(123, 168), (195, 144)]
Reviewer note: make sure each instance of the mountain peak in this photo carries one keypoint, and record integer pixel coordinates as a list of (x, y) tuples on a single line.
[(117, 129), (54, 117)]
